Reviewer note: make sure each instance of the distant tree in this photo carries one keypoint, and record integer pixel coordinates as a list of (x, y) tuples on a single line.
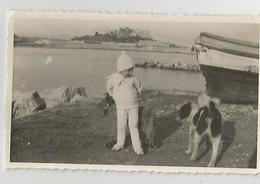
[(122, 34), (74, 38)]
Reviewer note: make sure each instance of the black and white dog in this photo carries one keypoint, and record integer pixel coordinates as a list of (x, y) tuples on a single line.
[(205, 120)]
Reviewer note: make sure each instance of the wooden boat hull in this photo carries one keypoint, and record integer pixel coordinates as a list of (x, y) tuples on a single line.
[(231, 86), (230, 67)]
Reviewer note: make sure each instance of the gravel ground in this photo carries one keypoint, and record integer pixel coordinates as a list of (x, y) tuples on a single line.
[(74, 133)]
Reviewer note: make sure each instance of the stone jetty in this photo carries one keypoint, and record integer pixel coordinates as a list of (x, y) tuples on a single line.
[(193, 67)]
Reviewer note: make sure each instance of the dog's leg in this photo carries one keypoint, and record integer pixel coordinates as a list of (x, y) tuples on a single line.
[(197, 139), (191, 140), (215, 145)]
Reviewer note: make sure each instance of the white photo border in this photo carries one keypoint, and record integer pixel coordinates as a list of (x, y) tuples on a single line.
[(93, 15)]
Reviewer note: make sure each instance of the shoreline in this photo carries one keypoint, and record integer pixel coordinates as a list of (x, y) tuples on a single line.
[(170, 66), (119, 49)]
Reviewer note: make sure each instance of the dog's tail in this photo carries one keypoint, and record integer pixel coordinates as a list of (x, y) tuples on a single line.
[(205, 100)]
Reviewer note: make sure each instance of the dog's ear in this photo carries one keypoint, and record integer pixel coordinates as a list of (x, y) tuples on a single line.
[(185, 110)]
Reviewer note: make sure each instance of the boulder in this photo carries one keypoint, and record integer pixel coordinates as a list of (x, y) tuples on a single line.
[(61, 95), (27, 104), (73, 94), (38, 103)]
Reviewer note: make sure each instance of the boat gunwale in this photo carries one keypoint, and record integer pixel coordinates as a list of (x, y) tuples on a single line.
[(230, 40), (231, 51)]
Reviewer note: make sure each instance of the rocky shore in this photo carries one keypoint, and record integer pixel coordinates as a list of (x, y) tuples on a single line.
[(24, 104), (74, 133), (193, 67)]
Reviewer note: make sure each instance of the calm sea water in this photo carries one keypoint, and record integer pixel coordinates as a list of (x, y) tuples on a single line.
[(89, 68)]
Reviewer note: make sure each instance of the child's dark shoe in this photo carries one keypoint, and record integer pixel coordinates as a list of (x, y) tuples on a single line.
[(153, 145)]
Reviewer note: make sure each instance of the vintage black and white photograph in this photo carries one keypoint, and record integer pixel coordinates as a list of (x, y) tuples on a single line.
[(132, 91)]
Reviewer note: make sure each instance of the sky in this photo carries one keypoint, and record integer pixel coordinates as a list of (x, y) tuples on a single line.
[(177, 32)]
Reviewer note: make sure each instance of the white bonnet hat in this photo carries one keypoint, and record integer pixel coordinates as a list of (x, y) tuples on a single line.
[(124, 62)]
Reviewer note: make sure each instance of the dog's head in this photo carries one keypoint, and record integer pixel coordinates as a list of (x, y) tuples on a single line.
[(184, 111), (205, 101)]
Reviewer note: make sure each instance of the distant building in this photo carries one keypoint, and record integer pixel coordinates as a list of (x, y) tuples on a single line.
[(153, 44), (113, 45), (42, 42), (133, 33), (143, 33), (78, 41)]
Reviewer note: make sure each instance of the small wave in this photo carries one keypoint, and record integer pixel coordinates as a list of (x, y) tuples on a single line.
[(48, 60)]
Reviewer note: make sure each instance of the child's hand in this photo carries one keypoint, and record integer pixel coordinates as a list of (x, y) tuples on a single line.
[(137, 85), (139, 92)]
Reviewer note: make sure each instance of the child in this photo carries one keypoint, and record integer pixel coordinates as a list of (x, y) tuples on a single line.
[(124, 88)]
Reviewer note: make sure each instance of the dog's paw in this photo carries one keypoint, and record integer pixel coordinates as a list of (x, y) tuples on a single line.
[(117, 147), (188, 151)]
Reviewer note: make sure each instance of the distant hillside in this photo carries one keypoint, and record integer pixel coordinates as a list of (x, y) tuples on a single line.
[(122, 35), (33, 41), (121, 39)]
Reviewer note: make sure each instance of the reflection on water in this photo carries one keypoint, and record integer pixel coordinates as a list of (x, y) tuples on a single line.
[(89, 68)]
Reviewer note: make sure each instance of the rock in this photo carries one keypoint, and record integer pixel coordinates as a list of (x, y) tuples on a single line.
[(38, 103), (172, 65), (145, 64), (153, 65), (70, 93), (139, 65), (184, 67), (61, 95), (27, 104), (167, 66), (12, 111), (159, 65)]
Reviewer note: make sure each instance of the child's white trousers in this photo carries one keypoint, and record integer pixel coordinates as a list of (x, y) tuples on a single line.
[(132, 116)]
